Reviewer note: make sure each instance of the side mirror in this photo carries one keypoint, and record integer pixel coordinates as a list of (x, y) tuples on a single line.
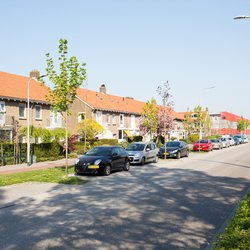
[(114, 154), (147, 149)]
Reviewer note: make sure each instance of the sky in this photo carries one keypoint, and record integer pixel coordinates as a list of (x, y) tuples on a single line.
[(134, 46)]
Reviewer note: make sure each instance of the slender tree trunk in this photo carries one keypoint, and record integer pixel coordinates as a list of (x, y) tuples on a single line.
[(66, 143)]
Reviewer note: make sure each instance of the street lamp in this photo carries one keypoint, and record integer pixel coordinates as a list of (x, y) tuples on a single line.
[(28, 118), (241, 17)]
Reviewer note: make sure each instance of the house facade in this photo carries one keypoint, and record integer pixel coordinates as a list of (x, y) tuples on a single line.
[(120, 116), (225, 123), (14, 105)]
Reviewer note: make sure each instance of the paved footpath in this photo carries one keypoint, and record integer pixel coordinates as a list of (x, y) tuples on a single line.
[(10, 169)]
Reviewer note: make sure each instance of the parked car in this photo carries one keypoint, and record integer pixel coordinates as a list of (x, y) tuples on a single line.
[(231, 141), (240, 138), (142, 152), (236, 140), (225, 142), (203, 145), (175, 149), (245, 140), (217, 144), (103, 159)]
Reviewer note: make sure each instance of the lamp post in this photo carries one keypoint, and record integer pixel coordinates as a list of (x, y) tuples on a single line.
[(28, 118), (241, 17)]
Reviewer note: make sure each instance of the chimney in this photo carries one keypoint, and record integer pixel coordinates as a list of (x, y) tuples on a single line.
[(35, 74), (103, 89)]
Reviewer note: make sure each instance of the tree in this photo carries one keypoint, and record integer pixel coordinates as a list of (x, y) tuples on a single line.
[(149, 118), (89, 129), (242, 124), (197, 121), (166, 122), (70, 77)]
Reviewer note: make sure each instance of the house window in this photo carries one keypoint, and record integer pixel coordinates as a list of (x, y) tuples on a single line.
[(121, 119), (99, 117), (2, 112), (81, 117), (38, 112), (120, 134), (22, 110), (55, 120), (132, 121), (113, 119), (107, 118)]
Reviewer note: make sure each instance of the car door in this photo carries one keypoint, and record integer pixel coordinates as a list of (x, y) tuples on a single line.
[(116, 158)]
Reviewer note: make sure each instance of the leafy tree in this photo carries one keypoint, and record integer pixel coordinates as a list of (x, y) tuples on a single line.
[(197, 121), (70, 77), (149, 118), (89, 129), (165, 120), (242, 124)]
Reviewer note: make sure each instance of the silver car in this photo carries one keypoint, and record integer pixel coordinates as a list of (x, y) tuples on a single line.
[(142, 152), (217, 144)]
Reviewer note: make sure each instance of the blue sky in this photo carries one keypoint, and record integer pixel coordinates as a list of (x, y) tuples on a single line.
[(133, 46)]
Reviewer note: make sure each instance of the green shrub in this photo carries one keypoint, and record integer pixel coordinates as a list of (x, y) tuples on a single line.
[(237, 234), (192, 138)]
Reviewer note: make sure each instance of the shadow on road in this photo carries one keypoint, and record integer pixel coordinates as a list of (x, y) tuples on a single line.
[(146, 208)]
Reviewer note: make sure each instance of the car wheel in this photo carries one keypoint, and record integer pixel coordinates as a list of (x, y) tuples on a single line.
[(156, 159), (187, 153), (143, 161), (178, 155), (107, 170), (127, 166)]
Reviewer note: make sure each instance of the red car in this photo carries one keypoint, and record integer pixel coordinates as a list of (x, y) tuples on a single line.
[(203, 145)]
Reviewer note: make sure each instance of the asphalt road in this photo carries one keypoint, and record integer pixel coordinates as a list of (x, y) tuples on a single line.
[(175, 204)]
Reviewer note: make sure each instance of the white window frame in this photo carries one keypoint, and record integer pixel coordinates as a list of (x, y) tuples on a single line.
[(40, 113), (114, 119), (55, 120), (108, 118), (121, 119), (132, 121), (81, 116), (99, 117), (2, 113), (23, 105)]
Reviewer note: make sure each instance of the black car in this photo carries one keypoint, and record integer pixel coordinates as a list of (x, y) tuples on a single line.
[(175, 149), (103, 160)]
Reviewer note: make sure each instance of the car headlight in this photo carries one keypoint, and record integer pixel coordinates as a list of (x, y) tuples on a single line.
[(97, 162), (77, 160), (174, 151), (137, 155)]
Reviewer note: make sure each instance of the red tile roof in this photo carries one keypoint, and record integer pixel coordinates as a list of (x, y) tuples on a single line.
[(16, 87), (230, 117), (101, 101)]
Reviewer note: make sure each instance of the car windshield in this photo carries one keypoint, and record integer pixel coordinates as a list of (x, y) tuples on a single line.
[(214, 140), (202, 141), (135, 147), (173, 144), (99, 151)]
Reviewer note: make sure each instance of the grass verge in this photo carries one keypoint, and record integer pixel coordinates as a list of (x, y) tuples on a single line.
[(237, 234), (53, 175)]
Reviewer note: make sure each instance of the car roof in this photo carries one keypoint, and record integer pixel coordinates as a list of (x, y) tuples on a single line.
[(141, 142)]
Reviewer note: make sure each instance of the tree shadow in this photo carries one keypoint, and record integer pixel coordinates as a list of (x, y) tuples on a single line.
[(146, 208)]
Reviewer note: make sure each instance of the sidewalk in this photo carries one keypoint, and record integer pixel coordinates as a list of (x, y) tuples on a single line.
[(10, 169)]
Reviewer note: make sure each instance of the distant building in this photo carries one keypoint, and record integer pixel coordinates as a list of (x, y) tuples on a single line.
[(225, 123)]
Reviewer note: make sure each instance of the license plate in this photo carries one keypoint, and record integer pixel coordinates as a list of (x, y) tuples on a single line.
[(93, 166)]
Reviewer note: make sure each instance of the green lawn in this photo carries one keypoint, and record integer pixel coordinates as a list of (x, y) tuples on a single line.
[(53, 175), (237, 234)]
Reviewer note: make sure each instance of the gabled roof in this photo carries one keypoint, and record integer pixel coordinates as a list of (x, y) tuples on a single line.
[(231, 117), (16, 87), (102, 101)]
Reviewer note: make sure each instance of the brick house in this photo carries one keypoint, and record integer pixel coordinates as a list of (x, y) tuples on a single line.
[(13, 104), (118, 115)]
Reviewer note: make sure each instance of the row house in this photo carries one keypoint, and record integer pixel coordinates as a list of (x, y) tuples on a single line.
[(118, 115), (14, 105)]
